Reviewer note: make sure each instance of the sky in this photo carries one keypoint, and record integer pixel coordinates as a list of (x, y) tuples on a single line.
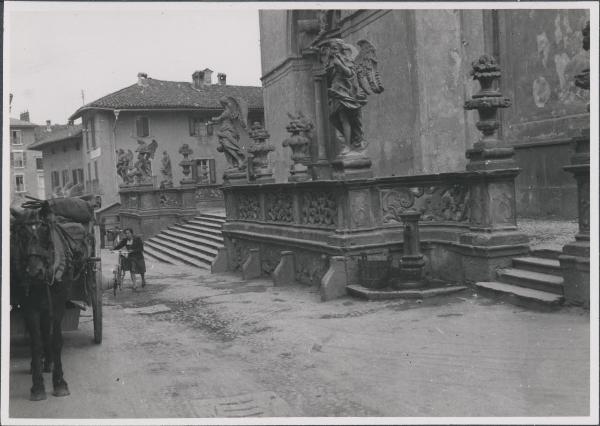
[(55, 53)]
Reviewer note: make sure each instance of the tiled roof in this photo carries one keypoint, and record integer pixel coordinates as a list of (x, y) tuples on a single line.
[(161, 94), (15, 122), (57, 136)]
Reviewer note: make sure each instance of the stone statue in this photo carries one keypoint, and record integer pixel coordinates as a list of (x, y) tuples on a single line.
[(232, 120), (328, 21), (142, 169), (124, 163), (166, 171), (351, 76)]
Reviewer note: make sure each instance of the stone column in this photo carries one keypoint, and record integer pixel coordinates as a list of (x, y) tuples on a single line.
[(412, 261), (493, 238), (575, 258)]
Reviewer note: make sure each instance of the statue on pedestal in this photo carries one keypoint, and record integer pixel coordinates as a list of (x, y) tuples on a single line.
[(232, 120), (351, 76), (166, 171), (124, 164)]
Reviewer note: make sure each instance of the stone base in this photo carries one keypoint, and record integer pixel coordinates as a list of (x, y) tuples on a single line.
[(575, 265), (434, 289), (285, 272), (251, 267), (235, 177), (351, 166), (220, 263), (333, 283)]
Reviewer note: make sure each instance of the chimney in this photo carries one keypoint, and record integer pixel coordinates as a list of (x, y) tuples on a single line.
[(48, 126), (142, 76), (198, 79), (222, 77), (24, 116), (207, 76)]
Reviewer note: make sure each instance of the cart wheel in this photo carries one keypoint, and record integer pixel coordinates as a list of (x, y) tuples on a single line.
[(97, 305)]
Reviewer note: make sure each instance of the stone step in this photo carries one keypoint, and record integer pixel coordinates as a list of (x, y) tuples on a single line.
[(174, 253), (537, 264), (532, 280), (546, 253), (194, 238), (211, 233), (153, 254), (206, 223), (521, 296), (182, 250), (185, 245), (212, 217)]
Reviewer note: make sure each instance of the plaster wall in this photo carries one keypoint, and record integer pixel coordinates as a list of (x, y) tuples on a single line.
[(29, 169), (59, 156)]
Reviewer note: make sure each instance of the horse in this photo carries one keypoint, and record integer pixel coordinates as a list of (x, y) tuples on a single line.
[(40, 283)]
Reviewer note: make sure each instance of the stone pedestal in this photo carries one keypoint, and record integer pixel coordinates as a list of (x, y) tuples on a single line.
[(333, 283), (259, 170), (221, 262), (575, 259), (285, 272), (251, 267), (235, 177), (351, 166), (412, 260)]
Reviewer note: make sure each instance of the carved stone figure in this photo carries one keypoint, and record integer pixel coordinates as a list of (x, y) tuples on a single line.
[(124, 163), (351, 76), (232, 120), (166, 171), (300, 128), (186, 163), (328, 21)]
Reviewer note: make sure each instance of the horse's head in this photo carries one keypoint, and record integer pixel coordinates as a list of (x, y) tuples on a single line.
[(32, 244)]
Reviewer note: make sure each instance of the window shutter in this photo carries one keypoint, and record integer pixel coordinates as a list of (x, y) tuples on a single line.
[(146, 126), (12, 159), (192, 125), (24, 158), (213, 172), (74, 172), (95, 170)]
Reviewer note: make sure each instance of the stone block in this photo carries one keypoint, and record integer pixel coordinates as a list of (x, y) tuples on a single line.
[(220, 262), (333, 283), (251, 267), (576, 279), (285, 272)]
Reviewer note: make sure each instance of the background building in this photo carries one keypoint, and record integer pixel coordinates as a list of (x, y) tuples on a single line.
[(26, 166), (172, 113), (418, 124)]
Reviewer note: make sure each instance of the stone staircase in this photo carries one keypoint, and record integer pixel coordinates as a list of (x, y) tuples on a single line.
[(193, 243), (534, 281)]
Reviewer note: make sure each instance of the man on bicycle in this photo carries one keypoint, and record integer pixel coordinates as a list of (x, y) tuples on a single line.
[(134, 262)]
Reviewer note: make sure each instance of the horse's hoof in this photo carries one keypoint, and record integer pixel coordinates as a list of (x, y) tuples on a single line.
[(37, 394), (61, 389)]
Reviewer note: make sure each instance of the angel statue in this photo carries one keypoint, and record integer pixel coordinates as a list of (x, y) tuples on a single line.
[(166, 171), (145, 154), (233, 120), (351, 76), (124, 163)]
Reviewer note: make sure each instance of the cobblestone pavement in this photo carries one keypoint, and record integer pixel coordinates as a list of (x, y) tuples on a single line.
[(548, 233), (193, 344)]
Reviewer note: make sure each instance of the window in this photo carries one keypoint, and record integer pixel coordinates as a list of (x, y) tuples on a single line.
[(16, 137), (77, 176), (197, 126), (95, 170), (19, 183), (78, 146), (41, 186), (89, 171), (39, 164), (209, 129), (65, 177), (205, 170), (141, 127), (18, 159), (55, 179)]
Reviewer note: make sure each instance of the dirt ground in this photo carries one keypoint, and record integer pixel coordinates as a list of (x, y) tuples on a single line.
[(198, 345), (548, 233)]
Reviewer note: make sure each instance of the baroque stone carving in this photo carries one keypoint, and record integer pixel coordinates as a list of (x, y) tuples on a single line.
[(300, 128), (279, 207), (582, 80), (233, 122), (351, 76), (259, 151), (166, 171), (318, 208), (248, 207), (186, 163), (360, 209), (486, 102), (141, 172), (124, 164), (166, 199), (436, 203), (208, 194), (269, 258)]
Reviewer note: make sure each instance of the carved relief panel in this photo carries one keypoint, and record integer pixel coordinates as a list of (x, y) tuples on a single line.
[(248, 206), (279, 207), (318, 208), (360, 209), (439, 203)]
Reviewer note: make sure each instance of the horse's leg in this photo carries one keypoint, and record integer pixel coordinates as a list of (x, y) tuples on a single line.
[(58, 306), (45, 328), (38, 392)]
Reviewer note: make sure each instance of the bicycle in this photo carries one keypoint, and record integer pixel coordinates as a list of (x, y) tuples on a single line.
[(119, 271)]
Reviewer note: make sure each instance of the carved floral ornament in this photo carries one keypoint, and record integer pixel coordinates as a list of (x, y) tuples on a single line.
[(318, 208), (279, 207), (248, 207), (436, 203)]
